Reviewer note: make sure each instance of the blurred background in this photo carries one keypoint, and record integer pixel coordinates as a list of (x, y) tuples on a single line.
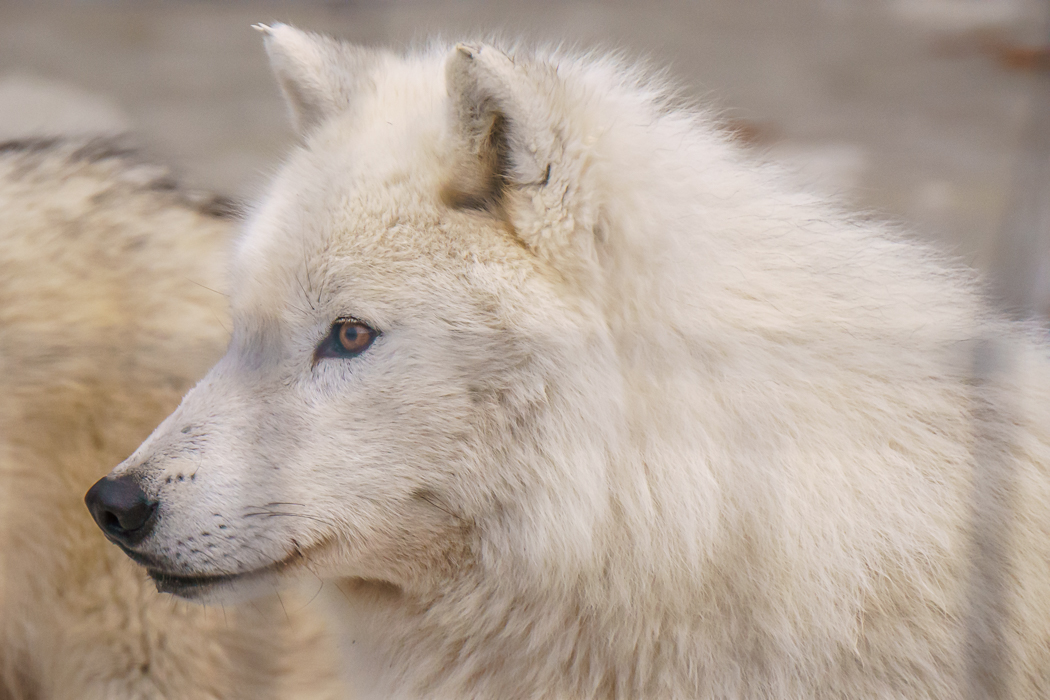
[(933, 113)]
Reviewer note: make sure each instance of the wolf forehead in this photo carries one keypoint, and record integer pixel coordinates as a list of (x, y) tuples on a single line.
[(384, 250), (449, 158), (468, 125)]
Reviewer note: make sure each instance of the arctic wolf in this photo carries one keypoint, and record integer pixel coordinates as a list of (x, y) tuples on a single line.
[(570, 399), (107, 316)]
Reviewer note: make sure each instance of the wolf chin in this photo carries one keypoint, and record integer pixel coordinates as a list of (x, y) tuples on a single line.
[(566, 397)]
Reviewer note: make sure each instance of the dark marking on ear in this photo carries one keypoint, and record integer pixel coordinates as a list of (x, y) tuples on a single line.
[(482, 180)]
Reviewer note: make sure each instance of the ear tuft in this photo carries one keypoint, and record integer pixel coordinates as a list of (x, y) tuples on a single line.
[(466, 50), (520, 158), (482, 176), (318, 76), (500, 118)]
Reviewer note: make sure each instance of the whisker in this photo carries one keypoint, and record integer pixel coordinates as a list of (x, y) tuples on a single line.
[(278, 594), (340, 589), (219, 321), (309, 281), (305, 294), (315, 594), (273, 514), (207, 287)]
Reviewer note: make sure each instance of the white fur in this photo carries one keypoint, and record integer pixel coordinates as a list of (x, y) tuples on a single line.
[(644, 420)]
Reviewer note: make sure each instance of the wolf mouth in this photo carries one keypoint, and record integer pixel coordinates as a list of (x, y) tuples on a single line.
[(180, 585), (197, 585)]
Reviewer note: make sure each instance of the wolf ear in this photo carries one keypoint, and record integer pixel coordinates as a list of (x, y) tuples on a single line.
[(516, 160), (490, 109), (319, 76)]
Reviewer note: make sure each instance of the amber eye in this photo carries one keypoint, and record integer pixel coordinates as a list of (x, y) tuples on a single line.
[(354, 337), (348, 338)]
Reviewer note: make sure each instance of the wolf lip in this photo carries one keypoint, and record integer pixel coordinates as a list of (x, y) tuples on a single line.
[(196, 585), (179, 584), (138, 557)]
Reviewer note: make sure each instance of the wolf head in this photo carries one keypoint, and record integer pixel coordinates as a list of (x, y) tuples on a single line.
[(422, 381)]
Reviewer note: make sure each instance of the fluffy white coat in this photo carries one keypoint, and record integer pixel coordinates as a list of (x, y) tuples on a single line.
[(643, 420)]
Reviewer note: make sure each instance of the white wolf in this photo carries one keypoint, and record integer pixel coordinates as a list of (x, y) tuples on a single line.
[(573, 400)]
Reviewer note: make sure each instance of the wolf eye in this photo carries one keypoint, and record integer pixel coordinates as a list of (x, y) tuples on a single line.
[(348, 338)]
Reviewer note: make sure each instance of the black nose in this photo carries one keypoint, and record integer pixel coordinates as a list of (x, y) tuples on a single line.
[(121, 509)]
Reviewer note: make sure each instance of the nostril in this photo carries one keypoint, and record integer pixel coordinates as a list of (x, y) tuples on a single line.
[(110, 521), (121, 508)]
